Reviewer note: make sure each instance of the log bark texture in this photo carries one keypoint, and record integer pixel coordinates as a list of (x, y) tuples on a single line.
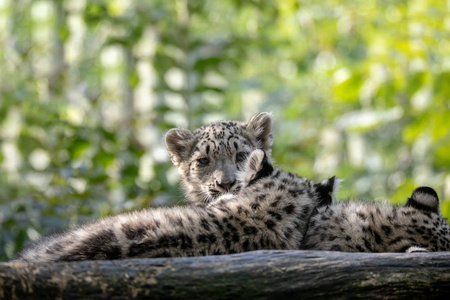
[(251, 275)]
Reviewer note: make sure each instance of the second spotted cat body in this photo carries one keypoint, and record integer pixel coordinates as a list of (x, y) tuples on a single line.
[(356, 226)]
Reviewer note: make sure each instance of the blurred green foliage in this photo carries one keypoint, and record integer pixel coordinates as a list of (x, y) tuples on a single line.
[(359, 89)]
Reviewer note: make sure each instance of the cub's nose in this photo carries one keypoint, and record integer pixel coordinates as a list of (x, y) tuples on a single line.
[(226, 186)]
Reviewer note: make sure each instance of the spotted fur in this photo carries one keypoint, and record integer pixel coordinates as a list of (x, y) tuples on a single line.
[(270, 212), (375, 227), (209, 157)]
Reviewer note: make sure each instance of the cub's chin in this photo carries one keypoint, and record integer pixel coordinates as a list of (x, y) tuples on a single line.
[(213, 195)]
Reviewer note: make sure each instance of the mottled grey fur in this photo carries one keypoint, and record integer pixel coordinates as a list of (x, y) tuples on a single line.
[(209, 157), (270, 212), (376, 227)]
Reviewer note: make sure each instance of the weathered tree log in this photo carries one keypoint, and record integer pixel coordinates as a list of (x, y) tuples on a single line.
[(251, 275)]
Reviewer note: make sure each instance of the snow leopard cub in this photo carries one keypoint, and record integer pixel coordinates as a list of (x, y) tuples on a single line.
[(208, 158), (380, 227), (270, 212)]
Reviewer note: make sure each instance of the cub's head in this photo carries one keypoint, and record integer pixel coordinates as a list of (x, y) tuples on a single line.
[(209, 157)]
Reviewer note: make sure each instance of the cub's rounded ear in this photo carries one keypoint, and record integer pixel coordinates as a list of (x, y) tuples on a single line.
[(424, 198), (179, 142), (327, 189), (255, 161), (260, 126), (257, 167)]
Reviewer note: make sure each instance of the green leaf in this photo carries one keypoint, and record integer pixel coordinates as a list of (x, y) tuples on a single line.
[(348, 90), (445, 210), (441, 157), (78, 148)]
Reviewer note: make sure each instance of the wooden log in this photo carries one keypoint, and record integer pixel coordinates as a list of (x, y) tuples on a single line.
[(250, 275)]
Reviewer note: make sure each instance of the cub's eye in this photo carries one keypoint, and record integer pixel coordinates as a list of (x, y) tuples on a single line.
[(204, 161), (241, 156)]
